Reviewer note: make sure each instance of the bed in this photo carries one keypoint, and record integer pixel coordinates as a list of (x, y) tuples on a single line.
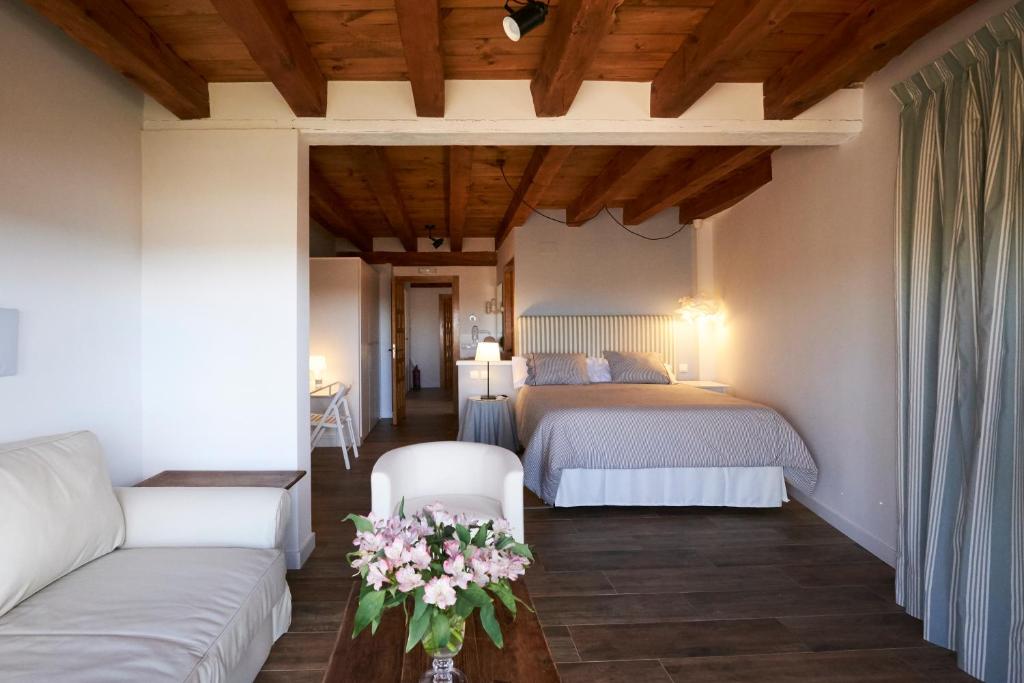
[(650, 444)]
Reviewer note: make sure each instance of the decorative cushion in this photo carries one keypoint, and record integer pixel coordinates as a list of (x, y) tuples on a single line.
[(598, 370), (637, 368), (556, 368), (57, 512)]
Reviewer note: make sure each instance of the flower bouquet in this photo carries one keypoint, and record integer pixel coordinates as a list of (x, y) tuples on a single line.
[(440, 569)]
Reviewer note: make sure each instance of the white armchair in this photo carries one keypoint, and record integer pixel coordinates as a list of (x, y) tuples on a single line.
[(479, 480)]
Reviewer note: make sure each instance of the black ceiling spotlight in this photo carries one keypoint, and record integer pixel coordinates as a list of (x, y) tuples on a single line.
[(436, 241), (529, 16)]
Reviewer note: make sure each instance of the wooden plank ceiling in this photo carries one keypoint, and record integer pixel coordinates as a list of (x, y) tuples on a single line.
[(803, 50), (461, 191)]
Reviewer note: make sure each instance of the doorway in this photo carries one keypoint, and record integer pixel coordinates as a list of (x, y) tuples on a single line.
[(429, 348)]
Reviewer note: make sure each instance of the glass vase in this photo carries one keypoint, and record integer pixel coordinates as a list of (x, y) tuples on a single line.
[(443, 668)]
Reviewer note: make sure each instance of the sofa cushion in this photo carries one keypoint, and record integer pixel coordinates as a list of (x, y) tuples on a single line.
[(476, 508), (57, 511), (148, 614)]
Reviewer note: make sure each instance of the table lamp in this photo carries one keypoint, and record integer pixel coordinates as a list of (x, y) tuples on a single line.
[(489, 352), (317, 365)]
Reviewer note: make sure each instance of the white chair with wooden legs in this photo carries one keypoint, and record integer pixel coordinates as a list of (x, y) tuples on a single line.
[(336, 416)]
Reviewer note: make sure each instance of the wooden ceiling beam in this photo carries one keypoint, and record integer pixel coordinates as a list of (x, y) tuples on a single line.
[(458, 177), (864, 42), (419, 25), (570, 48), (111, 30), (539, 173), (428, 258), (277, 45), (376, 169), (595, 195), (729, 31), (688, 178), (330, 210), (728, 192)]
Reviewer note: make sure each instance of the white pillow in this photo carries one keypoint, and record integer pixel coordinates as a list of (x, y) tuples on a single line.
[(519, 371), (598, 370), (57, 512), (671, 375)]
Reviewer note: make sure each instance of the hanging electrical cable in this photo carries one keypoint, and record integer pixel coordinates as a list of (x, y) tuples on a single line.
[(501, 167)]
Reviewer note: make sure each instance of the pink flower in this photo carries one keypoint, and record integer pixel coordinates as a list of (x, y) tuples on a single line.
[(396, 552), (439, 592), (452, 547), (419, 555), (456, 568), (369, 542), (408, 579), (376, 576)]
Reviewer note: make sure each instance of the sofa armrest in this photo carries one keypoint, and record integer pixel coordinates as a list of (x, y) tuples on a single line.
[(226, 517)]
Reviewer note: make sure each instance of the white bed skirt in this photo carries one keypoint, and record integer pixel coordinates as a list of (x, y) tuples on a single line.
[(747, 487)]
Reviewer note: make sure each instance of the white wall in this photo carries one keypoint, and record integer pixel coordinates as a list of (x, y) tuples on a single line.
[(424, 331), (805, 268), (69, 240), (224, 305), (601, 269)]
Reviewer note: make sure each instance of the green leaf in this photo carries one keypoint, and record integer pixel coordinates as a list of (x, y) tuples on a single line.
[(504, 593), (522, 550), (362, 523), (476, 595), (481, 536), (505, 542), (401, 508), (462, 532), (418, 626), (395, 600), (441, 628), (463, 606), (370, 606), (490, 624)]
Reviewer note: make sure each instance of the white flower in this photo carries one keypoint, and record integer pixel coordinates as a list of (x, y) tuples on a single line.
[(376, 576), (419, 555), (408, 579), (439, 592)]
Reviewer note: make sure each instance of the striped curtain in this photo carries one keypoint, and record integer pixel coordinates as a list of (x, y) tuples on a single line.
[(960, 312)]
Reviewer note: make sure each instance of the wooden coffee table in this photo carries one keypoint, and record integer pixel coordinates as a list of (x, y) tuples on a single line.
[(279, 479), (381, 658)]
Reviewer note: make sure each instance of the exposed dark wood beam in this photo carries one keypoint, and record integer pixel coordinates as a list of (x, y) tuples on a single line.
[(864, 42), (111, 30), (459, 176), (596, 193), (330, 211), (728, 192), (730, 30), (275, 42), (687, 179), (428, 258), (540, 171), (579, 26), (419, 24), (377, 171)]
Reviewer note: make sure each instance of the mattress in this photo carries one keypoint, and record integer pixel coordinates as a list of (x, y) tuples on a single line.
[(647, 426)]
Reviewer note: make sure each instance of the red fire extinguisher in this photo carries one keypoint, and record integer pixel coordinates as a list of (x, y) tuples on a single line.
[(416, 378)]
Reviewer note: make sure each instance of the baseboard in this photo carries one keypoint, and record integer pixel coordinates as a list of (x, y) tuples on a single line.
[(294, 559), (874, 545)]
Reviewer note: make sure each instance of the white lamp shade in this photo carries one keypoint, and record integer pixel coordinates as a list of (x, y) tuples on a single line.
[(488, 351), (317, 364)]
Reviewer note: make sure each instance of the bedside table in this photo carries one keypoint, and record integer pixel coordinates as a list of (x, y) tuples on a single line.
[(708, 385), (491, 421)]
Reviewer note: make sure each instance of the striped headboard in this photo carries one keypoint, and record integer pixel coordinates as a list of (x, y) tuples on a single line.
[(592, 334)]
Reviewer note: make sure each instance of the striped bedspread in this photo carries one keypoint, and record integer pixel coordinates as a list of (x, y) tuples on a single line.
[(633, 426)]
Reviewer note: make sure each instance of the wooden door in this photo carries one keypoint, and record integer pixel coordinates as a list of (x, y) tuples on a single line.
[(508, 308), (398, 382), (444, 304)]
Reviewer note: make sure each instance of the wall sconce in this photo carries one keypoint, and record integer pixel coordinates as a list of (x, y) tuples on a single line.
[(317, 365), (695, 309)]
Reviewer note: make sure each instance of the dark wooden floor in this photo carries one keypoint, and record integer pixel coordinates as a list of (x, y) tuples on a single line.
[(635, 595)]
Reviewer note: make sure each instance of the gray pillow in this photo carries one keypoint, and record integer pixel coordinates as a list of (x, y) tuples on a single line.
[(556, 368), (637, 368)]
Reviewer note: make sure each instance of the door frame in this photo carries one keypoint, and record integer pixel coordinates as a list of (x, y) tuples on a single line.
[(398, 283), (447, 371), (508, 304)]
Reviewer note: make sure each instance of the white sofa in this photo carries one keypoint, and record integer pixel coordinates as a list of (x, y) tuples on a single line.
[(478, 480), (136, 584)]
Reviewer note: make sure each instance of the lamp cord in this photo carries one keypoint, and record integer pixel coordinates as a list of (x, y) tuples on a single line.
[(501, 167)]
